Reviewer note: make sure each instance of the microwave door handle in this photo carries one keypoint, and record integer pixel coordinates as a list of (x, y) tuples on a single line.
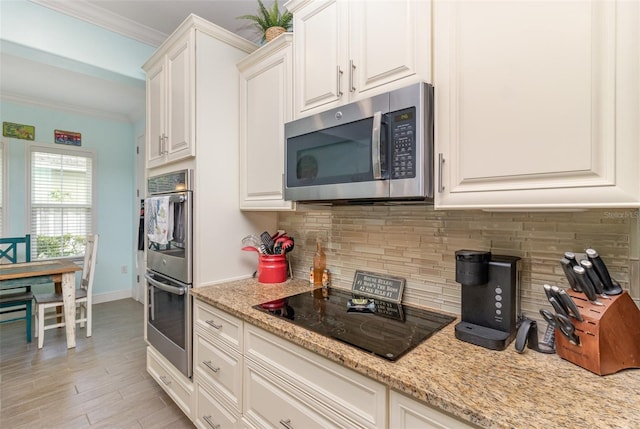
[(171, 289), (375, 146)]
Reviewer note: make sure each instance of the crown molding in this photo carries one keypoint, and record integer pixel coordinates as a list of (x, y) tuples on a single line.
[(106, 19), (31, 101)]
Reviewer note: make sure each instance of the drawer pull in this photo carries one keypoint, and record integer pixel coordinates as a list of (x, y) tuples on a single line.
[(209, 422), (286, 423), (213, 324), (164, 380), (210, 366)]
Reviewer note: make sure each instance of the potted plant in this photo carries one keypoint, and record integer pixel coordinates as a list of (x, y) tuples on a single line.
[(270, 21)]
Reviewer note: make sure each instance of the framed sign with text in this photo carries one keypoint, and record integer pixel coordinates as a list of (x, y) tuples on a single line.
[(382, 287)]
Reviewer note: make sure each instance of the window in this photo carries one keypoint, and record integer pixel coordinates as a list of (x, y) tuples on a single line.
[(61, 196)]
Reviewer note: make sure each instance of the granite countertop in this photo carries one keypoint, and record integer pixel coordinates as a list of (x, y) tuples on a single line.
[(492, 389)]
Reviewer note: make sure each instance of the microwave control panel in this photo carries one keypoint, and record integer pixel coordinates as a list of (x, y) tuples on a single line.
[(403, 144)]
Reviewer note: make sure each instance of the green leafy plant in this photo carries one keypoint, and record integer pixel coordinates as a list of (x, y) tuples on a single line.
[(267, 18)]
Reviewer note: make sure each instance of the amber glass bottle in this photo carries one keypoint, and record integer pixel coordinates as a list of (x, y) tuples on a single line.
[(319, 264)]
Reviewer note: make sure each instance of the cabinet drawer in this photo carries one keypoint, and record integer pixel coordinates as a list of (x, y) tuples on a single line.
[(211, 414), (353, 395), (218, 324), (178, 388), (407, 413), (221, 368), (269, 404)]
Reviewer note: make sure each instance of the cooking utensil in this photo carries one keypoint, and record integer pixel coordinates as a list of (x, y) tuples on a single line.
[(586, 285), (253, 241), (268, 242), (250, 249), (568, 272), (593, 276), (569, 304), (563, 324), (571, 257), (601, 269), (558, 307)]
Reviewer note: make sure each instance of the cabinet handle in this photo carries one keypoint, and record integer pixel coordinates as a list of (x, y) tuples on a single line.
[(210, 422), (165, 145), (213, 324), (209, 365), (164, 380), (160, 151), (339, 79), (440, 166), (286, 423), (353, 69)]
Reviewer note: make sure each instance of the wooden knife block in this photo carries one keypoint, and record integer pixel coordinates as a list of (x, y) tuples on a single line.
[(609, 335)]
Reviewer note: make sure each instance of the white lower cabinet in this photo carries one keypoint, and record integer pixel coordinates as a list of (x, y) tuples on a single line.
[(177, 386), (211, 414), (407, 413), (248, 378), (217, 368), (220, 368), (319, 386), (270, 402)]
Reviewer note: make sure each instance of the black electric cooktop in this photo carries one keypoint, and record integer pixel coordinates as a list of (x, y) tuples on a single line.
[(386, 329)]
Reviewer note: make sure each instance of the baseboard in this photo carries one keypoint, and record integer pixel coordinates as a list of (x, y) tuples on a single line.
[(112, 296)]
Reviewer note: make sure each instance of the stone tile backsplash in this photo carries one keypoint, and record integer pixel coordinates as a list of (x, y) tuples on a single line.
[(418, 243)]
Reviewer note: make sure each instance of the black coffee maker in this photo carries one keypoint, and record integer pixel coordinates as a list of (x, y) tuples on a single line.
[(490, 298)]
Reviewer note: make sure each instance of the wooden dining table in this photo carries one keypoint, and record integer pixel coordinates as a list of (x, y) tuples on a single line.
[(56, 271)]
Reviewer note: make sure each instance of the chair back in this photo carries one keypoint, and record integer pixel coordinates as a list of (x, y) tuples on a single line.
[(88, 269), (9, 249)]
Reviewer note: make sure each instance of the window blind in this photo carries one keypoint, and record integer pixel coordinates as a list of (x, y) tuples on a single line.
[(61, 203)]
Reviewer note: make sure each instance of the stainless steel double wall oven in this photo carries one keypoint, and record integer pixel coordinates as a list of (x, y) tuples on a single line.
[(169, 276)]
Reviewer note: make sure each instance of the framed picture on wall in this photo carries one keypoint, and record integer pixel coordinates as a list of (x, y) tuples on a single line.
[(67, 137), (18, 131)]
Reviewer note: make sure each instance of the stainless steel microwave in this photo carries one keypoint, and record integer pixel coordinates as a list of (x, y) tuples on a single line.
[(377, 149)]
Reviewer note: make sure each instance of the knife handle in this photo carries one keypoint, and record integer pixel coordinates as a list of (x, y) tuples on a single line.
[(570, 304), (571, 257), (593, 276), (585, 283), (547, 291), (569, 274), (558, 307), (600, 267)]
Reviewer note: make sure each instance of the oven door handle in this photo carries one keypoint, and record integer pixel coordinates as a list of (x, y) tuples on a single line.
[(165, 287)]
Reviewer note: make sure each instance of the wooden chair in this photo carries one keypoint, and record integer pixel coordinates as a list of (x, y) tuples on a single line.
[(18, 298), (83, 297)]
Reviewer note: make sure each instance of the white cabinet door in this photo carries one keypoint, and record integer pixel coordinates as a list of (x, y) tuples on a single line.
[(320, 50), (269, 404), (406, 413), (390, 45), (266, 103), (177, 386), (180, 111), (170, 104), (533, 104), (155, 114), (348, 50)]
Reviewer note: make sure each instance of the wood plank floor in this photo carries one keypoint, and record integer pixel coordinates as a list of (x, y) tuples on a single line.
[(102, 383)]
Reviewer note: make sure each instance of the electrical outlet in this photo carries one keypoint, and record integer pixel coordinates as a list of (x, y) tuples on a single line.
[(124, 269)]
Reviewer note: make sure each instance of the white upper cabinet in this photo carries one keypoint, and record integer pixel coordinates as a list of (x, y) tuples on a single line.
[(347, 50), (170, 107), (266, 103), (537, 104)]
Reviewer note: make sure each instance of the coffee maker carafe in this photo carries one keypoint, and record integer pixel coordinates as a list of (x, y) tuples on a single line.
[(490, 298)]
